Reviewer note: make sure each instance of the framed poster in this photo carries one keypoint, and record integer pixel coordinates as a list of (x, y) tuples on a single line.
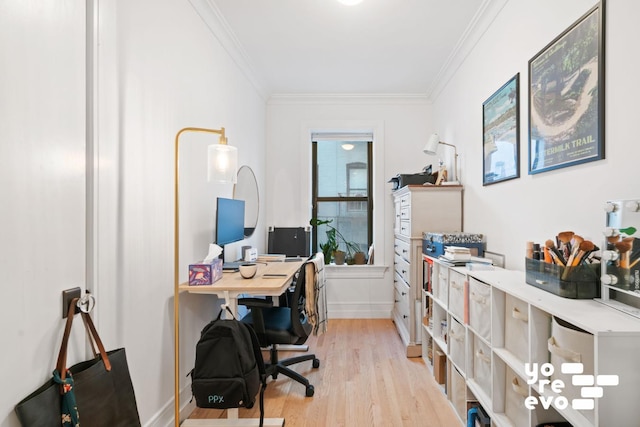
[(501, 134), (566, 97)]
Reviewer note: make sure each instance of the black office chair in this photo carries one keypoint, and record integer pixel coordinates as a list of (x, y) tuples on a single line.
[(283, 325)]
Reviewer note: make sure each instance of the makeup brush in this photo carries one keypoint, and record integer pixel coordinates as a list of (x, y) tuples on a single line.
[(556, 256), (624, 248), (575, 245), (586, 247), (564, 237)]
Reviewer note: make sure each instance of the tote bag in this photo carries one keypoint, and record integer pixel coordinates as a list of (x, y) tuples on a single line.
[(102, 388)]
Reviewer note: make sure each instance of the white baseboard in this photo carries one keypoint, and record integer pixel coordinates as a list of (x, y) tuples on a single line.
[(359, 310), (165, 418)]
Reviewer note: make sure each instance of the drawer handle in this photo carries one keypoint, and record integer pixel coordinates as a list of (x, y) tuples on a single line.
[(480, 355), (455, 285), (516, 314), (404, 271), (404, 316), (477, 298), (403, 293), (565, 353), (519, 389), (455, 336)]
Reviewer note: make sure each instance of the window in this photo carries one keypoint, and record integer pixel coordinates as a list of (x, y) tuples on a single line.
[(342, 187)]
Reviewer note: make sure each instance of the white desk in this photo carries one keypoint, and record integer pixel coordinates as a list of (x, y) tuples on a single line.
[(271, 279)]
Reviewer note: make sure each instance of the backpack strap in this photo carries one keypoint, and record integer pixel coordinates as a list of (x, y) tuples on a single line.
[(225, 306), (261, 368)]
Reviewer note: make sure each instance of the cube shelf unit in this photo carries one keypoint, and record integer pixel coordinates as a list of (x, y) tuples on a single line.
[(495, 323)]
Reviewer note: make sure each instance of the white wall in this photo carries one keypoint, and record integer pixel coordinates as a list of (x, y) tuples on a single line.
[(400, 125), (159, 69), (537, 207), (171, 72), (42, 187)]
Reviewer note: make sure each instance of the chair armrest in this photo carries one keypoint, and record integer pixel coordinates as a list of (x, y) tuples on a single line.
[(255, 302)]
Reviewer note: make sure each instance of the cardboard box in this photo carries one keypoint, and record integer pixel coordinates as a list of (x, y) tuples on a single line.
[(440, 367), (205, 274)]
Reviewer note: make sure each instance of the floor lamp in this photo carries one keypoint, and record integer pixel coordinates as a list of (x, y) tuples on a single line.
[(222, 165)]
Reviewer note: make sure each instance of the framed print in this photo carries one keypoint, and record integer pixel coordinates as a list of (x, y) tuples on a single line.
[(501, 134), (566, 97)]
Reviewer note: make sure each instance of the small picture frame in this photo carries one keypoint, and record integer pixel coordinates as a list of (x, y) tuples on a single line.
[(501, 133)]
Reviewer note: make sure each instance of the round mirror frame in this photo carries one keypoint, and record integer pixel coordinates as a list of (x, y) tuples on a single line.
[(246, 188)]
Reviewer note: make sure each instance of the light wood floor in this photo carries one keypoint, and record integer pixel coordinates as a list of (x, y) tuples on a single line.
[(364, 379)]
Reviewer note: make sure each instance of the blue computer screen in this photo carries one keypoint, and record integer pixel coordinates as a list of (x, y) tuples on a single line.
[(229, 221)]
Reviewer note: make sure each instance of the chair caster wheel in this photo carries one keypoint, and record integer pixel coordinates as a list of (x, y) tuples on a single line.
[(316, 363), (310, 390)]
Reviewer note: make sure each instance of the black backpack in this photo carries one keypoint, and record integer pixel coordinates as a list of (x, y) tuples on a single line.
[(229, 369)]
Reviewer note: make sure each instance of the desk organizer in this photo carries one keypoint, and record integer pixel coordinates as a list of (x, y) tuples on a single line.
[(582, 282)]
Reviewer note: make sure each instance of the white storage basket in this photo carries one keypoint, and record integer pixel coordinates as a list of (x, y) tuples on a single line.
[(482, 365), (458, 393), (480, 308), (457, 295), (457, 343), (569, 344), (516, 391), (516, 328)]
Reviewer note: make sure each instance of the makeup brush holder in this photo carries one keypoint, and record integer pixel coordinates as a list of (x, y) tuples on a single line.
[(580, 282)]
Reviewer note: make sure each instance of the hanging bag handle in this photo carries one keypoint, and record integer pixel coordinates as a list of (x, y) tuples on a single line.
[(61, 364)]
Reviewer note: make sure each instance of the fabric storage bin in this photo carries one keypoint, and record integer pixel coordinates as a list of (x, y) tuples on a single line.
[(570, 344), (482, 365), (480, 308), (458, 394), (457, 343), (442, 283), (516, 391), (457, 294), (516, 328)]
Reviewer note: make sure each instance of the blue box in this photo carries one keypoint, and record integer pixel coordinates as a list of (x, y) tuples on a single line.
[(433, 244), (205, 274)]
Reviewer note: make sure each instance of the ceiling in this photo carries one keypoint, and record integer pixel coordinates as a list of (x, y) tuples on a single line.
[(324, 47)]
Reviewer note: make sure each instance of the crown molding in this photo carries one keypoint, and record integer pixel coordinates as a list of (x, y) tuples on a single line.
[(347, 99), (213, 19), (479, 24)]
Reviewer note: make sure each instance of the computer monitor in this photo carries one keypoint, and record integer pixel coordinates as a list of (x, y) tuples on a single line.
[(229, 221)]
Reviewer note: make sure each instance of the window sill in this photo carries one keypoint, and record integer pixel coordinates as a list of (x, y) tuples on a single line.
[(333, 271)]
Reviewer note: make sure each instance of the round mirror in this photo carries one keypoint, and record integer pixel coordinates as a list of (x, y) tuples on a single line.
[(246, 189)]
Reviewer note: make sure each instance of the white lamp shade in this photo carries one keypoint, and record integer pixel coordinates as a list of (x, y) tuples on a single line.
[(222, 163), (431, 147)]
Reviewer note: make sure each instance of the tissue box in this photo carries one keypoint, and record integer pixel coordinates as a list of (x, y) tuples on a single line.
[(205, 274)]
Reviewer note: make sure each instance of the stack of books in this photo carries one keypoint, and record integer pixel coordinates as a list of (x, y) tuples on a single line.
[(270, 257), (457, 253)]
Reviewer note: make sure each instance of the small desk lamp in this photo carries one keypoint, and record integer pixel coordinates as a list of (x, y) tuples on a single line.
[(431, 147), (222, 166)]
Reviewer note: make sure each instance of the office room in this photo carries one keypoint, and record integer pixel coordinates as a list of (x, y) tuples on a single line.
[(93, 97)]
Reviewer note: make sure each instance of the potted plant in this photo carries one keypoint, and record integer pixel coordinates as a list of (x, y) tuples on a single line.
[(330, 248)]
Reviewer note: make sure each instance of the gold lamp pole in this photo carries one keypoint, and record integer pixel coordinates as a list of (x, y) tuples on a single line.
[(222, 167)]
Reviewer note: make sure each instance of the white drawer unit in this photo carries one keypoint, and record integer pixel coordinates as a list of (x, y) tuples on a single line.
[(516, 343), (418, 209)]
